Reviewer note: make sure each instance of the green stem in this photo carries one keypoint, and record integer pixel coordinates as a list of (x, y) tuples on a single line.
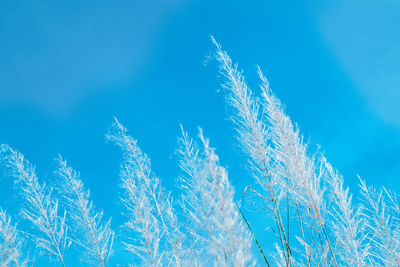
[(254, 237)]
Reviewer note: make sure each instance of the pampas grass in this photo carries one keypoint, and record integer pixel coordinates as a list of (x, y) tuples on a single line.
[(312, 213)]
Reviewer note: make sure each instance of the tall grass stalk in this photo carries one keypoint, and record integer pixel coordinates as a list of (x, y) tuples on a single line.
[(252, 136)]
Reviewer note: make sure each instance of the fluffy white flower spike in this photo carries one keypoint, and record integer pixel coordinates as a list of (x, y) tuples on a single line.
[(41, 208), (156, 239), (11, 250), (92, 232), (209, 202)]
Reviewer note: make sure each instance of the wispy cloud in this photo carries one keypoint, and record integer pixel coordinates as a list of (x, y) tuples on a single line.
[(54, 55), (365, 37)]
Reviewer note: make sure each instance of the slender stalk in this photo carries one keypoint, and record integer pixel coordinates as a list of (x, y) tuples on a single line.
[(254, 237), (302, 234), (278, 219), (288, 217), (329, 244)]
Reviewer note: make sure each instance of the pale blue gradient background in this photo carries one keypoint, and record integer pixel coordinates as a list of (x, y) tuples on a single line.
[(66, 68)]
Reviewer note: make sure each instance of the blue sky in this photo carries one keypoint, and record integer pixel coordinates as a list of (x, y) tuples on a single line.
[(68, 67)]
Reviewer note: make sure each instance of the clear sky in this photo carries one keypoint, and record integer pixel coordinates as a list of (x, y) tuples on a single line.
[(68, 67)]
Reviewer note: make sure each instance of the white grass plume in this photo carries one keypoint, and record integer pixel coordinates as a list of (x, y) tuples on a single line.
[(252, 132), (92, 231), (302, 174), (209, 202), (11, 250), (384, 229), (348, 224), (155, 236), (278, 158), (41, 208)]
